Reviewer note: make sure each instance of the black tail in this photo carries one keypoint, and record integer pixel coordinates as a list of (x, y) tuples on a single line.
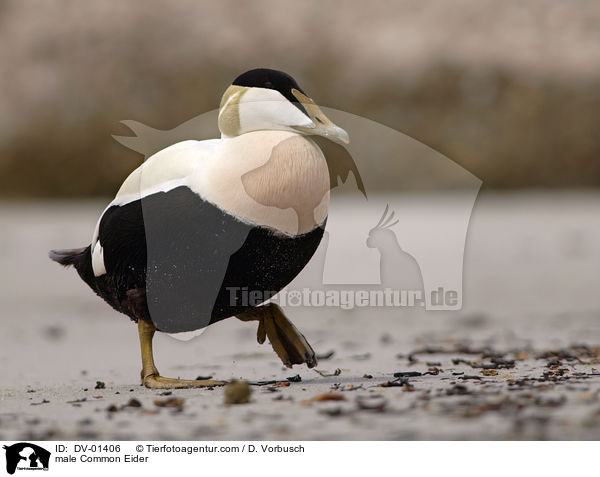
[(67, 257), (81, 259)]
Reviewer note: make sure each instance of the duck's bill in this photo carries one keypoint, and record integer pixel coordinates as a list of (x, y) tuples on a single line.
[(322, 125)]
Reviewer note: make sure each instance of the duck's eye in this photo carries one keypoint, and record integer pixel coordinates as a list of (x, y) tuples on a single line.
[(318, 119)]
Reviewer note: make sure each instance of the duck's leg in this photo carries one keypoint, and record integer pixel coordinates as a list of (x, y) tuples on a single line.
[(289, 344), (151, 378), (150, 375)]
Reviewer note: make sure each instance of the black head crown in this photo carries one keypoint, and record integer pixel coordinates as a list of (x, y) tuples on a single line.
[(271, 79)]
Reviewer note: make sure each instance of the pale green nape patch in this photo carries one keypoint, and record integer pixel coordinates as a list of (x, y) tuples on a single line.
[(229, 114)]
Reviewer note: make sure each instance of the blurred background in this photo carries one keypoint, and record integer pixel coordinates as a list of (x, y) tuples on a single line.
[(509, 90)]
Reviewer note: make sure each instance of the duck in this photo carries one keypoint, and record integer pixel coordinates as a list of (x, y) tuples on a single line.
[(205, 230)]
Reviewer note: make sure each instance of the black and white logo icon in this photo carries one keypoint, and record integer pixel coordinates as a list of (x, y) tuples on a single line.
[(26, 456)]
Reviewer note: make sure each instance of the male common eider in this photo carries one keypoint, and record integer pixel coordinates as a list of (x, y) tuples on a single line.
[(202, 226)]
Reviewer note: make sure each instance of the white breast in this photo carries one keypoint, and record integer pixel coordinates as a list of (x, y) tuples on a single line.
[(277, 179)]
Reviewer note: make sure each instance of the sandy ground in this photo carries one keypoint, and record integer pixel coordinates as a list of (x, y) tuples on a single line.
[(520, 361)]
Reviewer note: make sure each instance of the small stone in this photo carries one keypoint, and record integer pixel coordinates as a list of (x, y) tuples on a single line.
[(237, 392), (170, 402), (489, 372), (133, 402)]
